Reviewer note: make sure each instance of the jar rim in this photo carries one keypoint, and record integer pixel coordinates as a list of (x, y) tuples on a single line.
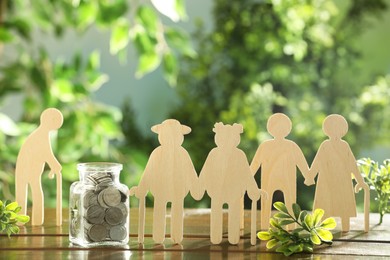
[(99, 166)]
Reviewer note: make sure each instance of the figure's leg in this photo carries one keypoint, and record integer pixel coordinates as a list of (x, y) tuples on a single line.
[(290, 197), (159, 214), (234, 222), (21, 188), (216, 222), (177, 210), (266, 210), (345, 225), (37, 202)]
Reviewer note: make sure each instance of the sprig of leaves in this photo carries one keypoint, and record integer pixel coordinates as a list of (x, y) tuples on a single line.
[(9, 217), (378, 178), (311, 231)]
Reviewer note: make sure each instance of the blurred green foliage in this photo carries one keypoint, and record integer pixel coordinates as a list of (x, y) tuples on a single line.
[(295, 57), (91, 131)]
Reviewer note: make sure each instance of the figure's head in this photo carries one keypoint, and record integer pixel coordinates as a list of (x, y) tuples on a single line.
[(279, 125), (227, 135), (171, 132), (51, 119), (335, 126)]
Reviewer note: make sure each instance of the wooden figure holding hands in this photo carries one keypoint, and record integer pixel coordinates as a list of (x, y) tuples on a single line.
[(169, 175), (278, 158), (34, 153), (226, 177), (334, 163)]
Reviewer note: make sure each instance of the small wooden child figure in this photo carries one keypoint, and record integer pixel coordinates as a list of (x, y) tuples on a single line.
[(226, 177), (278, 158), (169, 175), (34, 153), (334, 163)]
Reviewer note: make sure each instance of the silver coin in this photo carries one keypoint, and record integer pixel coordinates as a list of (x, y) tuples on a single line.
[(114, 216), (123, 208), (90, 198), (97, 232), (95, 214), (118, 233), (111, 196)]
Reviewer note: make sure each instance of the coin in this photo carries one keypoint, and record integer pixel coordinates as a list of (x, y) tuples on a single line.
[(111, 196), (90, 198), (95, 214), (97, 232), (114, 216), (118, 233), (123, 208)]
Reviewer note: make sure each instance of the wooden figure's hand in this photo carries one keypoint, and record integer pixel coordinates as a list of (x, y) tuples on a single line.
[(309, 181), (254, 194), (264, 194), (363, 186), (133, 191), (52, 173)]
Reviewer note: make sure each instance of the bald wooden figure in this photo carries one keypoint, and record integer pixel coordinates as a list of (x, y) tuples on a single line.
[(33, 155), (278, 159), (334, 163)]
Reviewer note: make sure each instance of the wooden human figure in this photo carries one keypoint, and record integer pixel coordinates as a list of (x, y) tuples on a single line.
[(278, 159), (169, 175), (226, 177), (334, 163), (33, 155)]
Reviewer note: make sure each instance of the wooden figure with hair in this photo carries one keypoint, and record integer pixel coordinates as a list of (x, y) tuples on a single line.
[(226, 177), (335, 163), (169, 176), (35, 152), (278, 159)]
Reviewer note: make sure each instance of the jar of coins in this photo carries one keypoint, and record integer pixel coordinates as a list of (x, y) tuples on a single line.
[(99, 206)]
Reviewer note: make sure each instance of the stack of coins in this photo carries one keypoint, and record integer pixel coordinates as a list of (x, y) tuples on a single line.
[(104, 209)]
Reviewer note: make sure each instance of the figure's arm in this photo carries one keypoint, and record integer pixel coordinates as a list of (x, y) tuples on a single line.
[(51, 160), (301, 162), (314, 169), (193, 181), (256, 161), (147, 177), (361, 184)]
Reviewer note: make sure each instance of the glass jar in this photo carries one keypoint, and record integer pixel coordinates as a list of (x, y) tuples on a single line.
[(99, 206)]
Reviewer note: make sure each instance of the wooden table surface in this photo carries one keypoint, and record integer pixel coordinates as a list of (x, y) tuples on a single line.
[(51, 242)]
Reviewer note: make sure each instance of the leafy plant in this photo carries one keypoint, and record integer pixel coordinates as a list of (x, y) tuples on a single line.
[(311, 231), (9, 217), (378, 178)]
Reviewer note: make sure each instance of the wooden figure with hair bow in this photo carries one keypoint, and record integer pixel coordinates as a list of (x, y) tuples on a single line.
[(169, 175), (226, 177)]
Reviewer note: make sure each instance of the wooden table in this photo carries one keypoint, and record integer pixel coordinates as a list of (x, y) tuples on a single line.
[(51, 242)]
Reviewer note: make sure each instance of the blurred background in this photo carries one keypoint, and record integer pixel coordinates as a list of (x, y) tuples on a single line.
[(117, 67)]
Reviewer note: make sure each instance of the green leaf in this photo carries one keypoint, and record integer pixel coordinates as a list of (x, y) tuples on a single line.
[(23, 218), (272, 243), (285, 222), (281, 215), (303, 215), (8, 126), (264, 235), (317, 216), (5, 35), (120, 36), (12, 206), (314, 238), (324, 234), (179, 40), (180, 9), (281, 207), (309, 220), (329, 223), (148, 18), (170, 68), (296, 248), (274, 223), (296, 210), (147, 63)]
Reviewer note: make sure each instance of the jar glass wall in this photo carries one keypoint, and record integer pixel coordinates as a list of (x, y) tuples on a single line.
[(99, 206)]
